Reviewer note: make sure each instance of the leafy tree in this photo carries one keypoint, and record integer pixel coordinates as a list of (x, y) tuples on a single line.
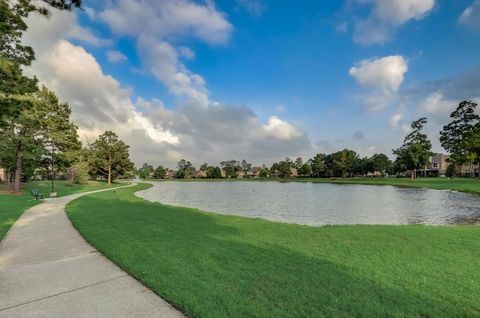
[(245, 167), (317, 164), (13, 84), (159, 172), (214, 172), (415, 153), (298, 163), (204, 167), (78, 173), (109, 157), (304, 170), (274, 170), (185, 169), (231, 167), (380, 162), (56, 133), (451, 169), (343, 161), (145, 171), (264, 172), (285, 168), (461, 137)]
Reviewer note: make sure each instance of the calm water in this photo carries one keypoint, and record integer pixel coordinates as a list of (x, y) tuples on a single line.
[(320, 204)]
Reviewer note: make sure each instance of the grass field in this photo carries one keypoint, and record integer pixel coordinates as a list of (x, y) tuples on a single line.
[(12, 206), (210, 265)]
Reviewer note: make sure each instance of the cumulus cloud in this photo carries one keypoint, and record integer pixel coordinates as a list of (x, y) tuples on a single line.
[(386, 16), (386, 72), (156, 25), (86, 35), (168, 18), (396, 119), (156, 133), (470, 18), (382, 77), (255, 7), (162, 60), (115, 56)]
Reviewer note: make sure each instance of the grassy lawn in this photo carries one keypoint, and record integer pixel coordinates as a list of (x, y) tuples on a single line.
[(12, 206), (460, 184), (210, 265)]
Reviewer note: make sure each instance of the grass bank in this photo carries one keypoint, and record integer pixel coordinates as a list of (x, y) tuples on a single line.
[(210, 265), (12, 206)]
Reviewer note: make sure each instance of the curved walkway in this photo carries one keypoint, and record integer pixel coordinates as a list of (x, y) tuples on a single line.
[(48, 270)]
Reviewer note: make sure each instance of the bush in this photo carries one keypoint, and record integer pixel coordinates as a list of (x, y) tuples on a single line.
[(78, 173), (451, 170)]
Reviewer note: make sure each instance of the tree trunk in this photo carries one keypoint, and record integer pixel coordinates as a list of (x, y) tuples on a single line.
[(109, 169), (18, 168), (412, 175)]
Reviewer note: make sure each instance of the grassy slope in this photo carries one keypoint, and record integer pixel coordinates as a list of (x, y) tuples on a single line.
[(12, 206), (210, 265)]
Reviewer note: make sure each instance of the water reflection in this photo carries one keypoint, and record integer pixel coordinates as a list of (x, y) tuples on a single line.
[(320, 204)]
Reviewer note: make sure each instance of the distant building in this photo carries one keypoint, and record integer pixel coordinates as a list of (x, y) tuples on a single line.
[(240, 174), (438, 165), (170, 174), (469, 170), (199, 174), (254, 172), (293, 173)]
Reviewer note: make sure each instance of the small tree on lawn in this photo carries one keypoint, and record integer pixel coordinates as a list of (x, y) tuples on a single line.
[(109, 156), (416, 151)]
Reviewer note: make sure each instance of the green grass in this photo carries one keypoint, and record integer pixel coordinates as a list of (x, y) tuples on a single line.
[(211, 265), (12, 206)]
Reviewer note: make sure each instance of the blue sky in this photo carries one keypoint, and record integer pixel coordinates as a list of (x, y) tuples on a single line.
[(259, 79)]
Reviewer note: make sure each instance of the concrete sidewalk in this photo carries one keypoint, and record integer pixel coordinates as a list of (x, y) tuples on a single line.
[(48, 270)]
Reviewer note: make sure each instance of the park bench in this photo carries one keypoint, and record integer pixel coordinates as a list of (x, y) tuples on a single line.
[(37, 194)]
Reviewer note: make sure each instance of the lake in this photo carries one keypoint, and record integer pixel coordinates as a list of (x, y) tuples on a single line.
[(319, 204)]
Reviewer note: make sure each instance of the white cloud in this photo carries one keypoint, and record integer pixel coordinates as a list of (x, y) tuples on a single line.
[(277, 128), (115, 56), (162, 60), (435, 103), (382, 77), (386, 72), (156, 134), (87, 36), (156, 25), (386, 16), (168, 18), (255, 7), (396, 119), (186, 52), (470, 18)]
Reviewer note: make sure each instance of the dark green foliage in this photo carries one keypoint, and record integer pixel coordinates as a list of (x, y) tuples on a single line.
[(146, 171), (108, 157), (159, 172), (416, 151), (461, 137), (185, 169), (231, 167)]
